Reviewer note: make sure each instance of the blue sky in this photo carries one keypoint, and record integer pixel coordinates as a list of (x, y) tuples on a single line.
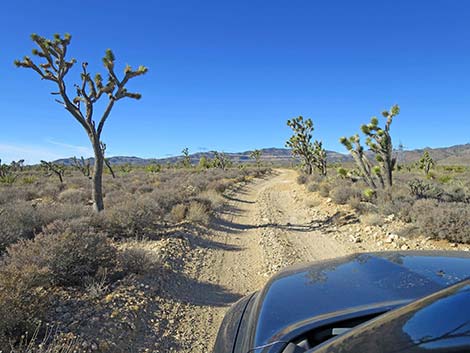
[(227, 75)]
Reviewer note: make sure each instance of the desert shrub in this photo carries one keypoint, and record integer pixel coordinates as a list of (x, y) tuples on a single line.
[(134, 260), (198, 213), (68, 257), (312, 187), (46, 339), (19, 220), (23, 300), (302, 179), (178, 213), (136, 217), (355, 201), (218, 185), (215, 199), (372, 219), (454, 194), (324, 189), (399, 203), (441, 220), (23, 220), (75, 196), (444, 179), (51, 190), (27, 180), (342, 193)]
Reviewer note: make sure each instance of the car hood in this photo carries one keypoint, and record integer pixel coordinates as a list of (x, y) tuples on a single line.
[(306, 293)]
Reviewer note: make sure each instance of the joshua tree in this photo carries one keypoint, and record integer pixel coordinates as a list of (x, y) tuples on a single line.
[(256, 155), (55, 66), (7, 175), (353, 145), (320, 157), (312, 154), (82, 165), (186, 158), (380, 142), (220, 160), (53, 168), (204, 163), (426, 163)]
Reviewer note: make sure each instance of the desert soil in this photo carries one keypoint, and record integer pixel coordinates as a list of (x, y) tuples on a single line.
[(266, 225)]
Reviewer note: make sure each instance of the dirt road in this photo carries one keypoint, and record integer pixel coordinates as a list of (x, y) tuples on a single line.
[(264, 227)]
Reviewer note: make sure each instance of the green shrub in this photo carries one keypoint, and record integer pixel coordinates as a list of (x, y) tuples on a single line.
[(444, 179)]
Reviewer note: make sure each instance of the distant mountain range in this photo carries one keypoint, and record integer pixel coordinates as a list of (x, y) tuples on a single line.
[(458, 154)]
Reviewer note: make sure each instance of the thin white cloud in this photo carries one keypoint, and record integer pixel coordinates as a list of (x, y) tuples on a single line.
[(79, 150), (32, 154)]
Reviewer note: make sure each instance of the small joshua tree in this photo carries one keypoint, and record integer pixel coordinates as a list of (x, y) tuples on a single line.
[(353, 145), (186, 158), (53, 168), (256, 155), (220, 160), (55, 67), (313, 154), (82, 165), (426, 163)]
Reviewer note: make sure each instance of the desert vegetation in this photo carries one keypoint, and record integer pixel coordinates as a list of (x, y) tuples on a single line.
[(433, 200), (56, 249)]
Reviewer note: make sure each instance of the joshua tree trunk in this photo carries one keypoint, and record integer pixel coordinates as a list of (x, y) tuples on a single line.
[(97, 191)]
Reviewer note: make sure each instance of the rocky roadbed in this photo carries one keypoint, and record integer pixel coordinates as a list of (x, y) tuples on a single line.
[(266, 225)]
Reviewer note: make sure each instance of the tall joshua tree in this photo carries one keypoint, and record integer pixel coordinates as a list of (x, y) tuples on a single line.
[(380, 142), (55, 66)]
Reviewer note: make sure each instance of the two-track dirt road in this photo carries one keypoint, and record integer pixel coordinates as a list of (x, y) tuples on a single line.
[(264, 227)]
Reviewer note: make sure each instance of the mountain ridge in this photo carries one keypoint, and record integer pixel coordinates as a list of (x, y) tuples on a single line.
[(456, 154)]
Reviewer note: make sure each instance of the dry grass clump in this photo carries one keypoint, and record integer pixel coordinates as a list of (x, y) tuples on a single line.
[(198, 212), (178, 213)]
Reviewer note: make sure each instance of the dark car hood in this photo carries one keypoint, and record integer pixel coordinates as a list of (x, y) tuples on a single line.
[(304, 293)]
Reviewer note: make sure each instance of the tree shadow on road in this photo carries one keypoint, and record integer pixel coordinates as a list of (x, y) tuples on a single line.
[(337, 219)]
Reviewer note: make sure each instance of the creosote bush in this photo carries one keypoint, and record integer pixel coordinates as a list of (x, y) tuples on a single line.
[(443, 220), (68, 257)]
